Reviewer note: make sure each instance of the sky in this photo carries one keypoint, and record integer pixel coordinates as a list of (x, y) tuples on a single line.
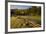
[(20, 7)]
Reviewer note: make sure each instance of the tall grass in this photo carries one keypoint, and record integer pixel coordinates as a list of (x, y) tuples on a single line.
[(25, 21)]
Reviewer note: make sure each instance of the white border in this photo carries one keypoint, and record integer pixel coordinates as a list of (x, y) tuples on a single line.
[(24, 29)]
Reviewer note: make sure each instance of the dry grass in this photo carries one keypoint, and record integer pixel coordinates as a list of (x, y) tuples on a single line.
[(25, 21)]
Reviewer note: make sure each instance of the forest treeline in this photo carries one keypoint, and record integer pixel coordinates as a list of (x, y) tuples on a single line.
[(30, 11)]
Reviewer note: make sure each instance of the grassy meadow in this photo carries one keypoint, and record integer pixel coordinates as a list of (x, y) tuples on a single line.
[(25, 21), (26, 18)]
